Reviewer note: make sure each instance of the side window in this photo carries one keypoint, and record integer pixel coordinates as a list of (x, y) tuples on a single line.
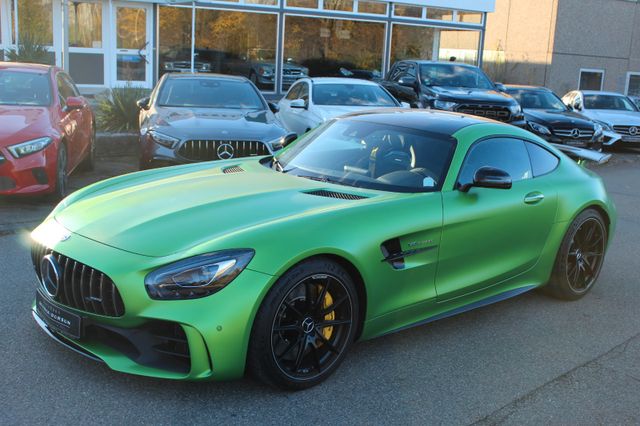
[(293, 92), (506, 154), (304, 91), (72, 86), (542, 161), (412, 71), (64, 89), (398, 72)]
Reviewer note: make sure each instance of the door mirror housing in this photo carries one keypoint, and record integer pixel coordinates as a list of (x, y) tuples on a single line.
[(289, 138), (489, 177), (298, 103), (74, 102), (577, 105), (501, 87), (407, 81), (273, 107), (143, 103)]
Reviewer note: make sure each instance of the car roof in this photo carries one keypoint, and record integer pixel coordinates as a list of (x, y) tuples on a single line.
[(600, 92), (435, 121), (526, 87), (429, 62), (341, 80), (205, 75), (19, 66)]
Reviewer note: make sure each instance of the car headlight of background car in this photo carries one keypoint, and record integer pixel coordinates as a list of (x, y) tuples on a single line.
[(265, 71), (515, 110), (162, 139), (598, 130), (29, 147), (197, 276), (539, 128), (446, 105)]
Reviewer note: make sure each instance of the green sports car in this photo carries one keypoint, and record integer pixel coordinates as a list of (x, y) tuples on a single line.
[(369, 224)]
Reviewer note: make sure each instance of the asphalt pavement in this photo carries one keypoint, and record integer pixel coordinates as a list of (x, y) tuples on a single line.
[(527, 360)]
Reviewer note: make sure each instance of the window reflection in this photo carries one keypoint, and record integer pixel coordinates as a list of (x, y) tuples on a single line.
[(85, 25), (35, 20), (411, 42), (459, 46), (440, 14), (407, 11), (237, 43), (174, 40), (332, 48), (470, 17), (340, 5), (373, 7)]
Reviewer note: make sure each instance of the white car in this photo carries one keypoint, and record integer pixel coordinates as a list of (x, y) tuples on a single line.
[(616, 113), (312, 101)]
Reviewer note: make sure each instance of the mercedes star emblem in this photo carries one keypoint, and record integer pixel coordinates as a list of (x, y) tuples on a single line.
[(575, 133), (50, 274), (633, 131), (308, 325), (225, 151)]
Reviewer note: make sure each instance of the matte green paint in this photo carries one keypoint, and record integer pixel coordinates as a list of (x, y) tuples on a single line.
[(487, 242)]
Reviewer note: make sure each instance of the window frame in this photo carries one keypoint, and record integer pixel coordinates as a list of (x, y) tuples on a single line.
[(628, 82), (591, 70)]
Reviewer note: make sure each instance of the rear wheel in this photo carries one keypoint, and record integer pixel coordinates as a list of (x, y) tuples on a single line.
[(62, 176), (305, 326), (580, 257)]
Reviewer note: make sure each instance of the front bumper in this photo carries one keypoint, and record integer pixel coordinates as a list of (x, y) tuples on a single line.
[(33, 174), (216, 329)]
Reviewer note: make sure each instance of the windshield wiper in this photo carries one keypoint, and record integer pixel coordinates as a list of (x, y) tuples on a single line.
[(323, 179)]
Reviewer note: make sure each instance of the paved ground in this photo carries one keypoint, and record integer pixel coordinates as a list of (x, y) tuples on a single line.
[(529, 360)]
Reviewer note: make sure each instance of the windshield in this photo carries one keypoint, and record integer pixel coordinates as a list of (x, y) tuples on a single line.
[(351, 95), (368, 155), (450, 75), (209, 93), (613, 102), (24, 88), (537, 99)]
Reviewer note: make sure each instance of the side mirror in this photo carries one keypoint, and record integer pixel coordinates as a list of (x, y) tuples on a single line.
[(289, 138), (501, 87), (405, 105), (407, 81), (577, 105), (489, 177), (143, 103), (74, 102), (273, 107), (298, 103)]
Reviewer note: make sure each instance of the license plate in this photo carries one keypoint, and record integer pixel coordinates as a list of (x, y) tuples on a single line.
[(58, 318)]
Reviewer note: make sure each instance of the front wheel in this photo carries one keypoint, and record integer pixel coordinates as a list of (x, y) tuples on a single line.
[(305, 325), (62, 176), (580, 257)]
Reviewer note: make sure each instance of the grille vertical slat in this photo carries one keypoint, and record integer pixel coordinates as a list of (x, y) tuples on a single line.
[(81, 286)]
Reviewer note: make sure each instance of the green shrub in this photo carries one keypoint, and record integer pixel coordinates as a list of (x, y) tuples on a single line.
[(117, 110), (30, 50)]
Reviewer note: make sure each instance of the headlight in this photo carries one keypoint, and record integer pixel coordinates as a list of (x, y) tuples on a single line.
[(197, 276), (29, 147), (162, 139), (606, 127), (168, 65), (305, 71), (265, 71), (539, 128), (446, 105), (515, 110), (597, 130)]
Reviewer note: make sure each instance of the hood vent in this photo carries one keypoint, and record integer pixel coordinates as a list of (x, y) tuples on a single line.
[(332, 194), (233, 169)]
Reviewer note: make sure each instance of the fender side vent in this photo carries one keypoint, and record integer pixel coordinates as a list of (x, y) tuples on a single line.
[(332, 194), (233, 169)]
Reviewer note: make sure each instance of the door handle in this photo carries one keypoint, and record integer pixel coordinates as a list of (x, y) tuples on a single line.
[(533, 198)]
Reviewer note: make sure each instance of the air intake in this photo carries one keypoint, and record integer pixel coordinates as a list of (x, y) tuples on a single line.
[(332, 194), (233, 169)]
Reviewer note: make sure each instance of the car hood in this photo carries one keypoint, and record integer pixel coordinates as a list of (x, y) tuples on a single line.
[(327, 112), (467, 94), (166, 211), (558, 118), (20, 123), (219, 124), (628, 118)]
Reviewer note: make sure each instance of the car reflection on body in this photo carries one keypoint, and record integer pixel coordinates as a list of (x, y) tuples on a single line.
[(369, 224), (203, 117)]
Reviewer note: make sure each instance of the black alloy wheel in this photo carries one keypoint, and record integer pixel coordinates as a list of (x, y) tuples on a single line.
[(579, 260), (305, 325), (62, 176)]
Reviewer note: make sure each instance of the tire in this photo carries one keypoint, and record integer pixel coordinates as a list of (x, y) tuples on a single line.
[(579, 260), (289, 347), (62, 175), (89, 163)]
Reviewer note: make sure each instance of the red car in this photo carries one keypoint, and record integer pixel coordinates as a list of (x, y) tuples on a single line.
[(46, 130)]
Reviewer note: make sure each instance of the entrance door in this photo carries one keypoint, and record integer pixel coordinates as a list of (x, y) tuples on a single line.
[(132, 39)]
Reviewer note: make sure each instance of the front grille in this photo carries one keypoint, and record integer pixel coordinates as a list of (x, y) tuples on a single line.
[(332, 194), (572, 133), (81, 287), (489, 111), (626, 132), (207, 150), (291, 72)]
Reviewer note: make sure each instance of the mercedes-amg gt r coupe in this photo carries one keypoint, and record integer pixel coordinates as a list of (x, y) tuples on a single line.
[(276, 265)]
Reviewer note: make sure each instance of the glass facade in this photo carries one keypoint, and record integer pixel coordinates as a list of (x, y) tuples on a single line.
[(35, 21), (85, 25)]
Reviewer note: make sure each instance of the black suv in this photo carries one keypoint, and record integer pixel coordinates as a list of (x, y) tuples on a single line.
[(452, 86)]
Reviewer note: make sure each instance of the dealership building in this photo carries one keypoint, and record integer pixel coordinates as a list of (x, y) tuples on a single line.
[(107, 43)]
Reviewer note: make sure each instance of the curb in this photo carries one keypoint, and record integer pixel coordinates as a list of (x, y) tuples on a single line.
[(116, 144)]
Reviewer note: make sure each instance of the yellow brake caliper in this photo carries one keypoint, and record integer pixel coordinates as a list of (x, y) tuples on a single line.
[(328, 301)]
